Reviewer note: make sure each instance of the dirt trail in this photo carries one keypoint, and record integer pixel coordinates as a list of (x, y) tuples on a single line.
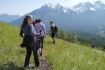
[(44, 65)]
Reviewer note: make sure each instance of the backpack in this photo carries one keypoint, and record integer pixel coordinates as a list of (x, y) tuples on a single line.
[(54, 29)]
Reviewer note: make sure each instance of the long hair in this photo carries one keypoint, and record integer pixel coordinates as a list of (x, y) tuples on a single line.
[(24, 24), (25, 21)]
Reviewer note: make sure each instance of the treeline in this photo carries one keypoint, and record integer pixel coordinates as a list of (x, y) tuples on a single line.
[(71, 37), (82, 38)]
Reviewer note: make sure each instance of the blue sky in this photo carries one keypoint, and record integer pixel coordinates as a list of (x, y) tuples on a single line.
[(21, 7)]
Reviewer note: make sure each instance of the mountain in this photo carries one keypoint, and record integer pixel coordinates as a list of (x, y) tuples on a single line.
[(83, 7), (87, 6), (46, 13), (86, 17), (61, 56), (8, 18)]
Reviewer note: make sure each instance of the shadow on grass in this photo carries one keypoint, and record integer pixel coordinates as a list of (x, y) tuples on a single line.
[(10, 66)]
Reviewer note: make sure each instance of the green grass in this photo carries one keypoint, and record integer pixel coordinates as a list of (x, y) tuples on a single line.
[(62, 56), (69, 56), (11, 55)]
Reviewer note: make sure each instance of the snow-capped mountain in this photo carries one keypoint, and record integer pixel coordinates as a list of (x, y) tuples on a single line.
[(83, 7), (83, 17), (56, 6), (87, 6), (99, 4), (47, 12)]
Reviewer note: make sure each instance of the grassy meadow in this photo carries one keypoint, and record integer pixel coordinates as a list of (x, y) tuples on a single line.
[(61, 56)]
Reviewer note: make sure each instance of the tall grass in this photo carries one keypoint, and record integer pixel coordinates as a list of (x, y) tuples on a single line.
[(69, 56)]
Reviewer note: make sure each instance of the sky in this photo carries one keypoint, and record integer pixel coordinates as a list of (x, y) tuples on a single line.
[(21, 7)]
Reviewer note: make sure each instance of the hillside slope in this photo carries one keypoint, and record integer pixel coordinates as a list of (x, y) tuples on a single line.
[(69, 56), (61, 56)]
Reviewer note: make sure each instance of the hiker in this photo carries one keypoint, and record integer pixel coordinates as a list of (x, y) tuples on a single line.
[(54, 30), (40, 28), (29, 37)]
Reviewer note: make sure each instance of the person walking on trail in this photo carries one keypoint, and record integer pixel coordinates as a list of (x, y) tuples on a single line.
[(29, 36), (54, 30), (40, 28)]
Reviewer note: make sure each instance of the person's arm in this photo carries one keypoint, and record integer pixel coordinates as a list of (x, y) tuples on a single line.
[(44, 29), (32, 31), (21, 32)]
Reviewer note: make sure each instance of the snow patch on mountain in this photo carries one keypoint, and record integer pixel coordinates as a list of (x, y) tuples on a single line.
[(87, 6), (92, 9), (80, 8)]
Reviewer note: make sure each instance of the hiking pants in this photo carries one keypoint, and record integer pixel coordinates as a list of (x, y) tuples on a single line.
[(28, 55)]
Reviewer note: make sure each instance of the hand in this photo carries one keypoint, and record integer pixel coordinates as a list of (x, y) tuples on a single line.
[(38, 33)]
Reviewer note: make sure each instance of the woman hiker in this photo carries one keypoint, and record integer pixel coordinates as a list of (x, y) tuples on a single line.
[(29, 37)]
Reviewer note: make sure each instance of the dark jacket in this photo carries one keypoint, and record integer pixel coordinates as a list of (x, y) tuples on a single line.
[(54, 29), (28, 32)]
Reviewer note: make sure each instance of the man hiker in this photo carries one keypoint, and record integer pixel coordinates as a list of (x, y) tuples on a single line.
[(40, 28), (54, 30)]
